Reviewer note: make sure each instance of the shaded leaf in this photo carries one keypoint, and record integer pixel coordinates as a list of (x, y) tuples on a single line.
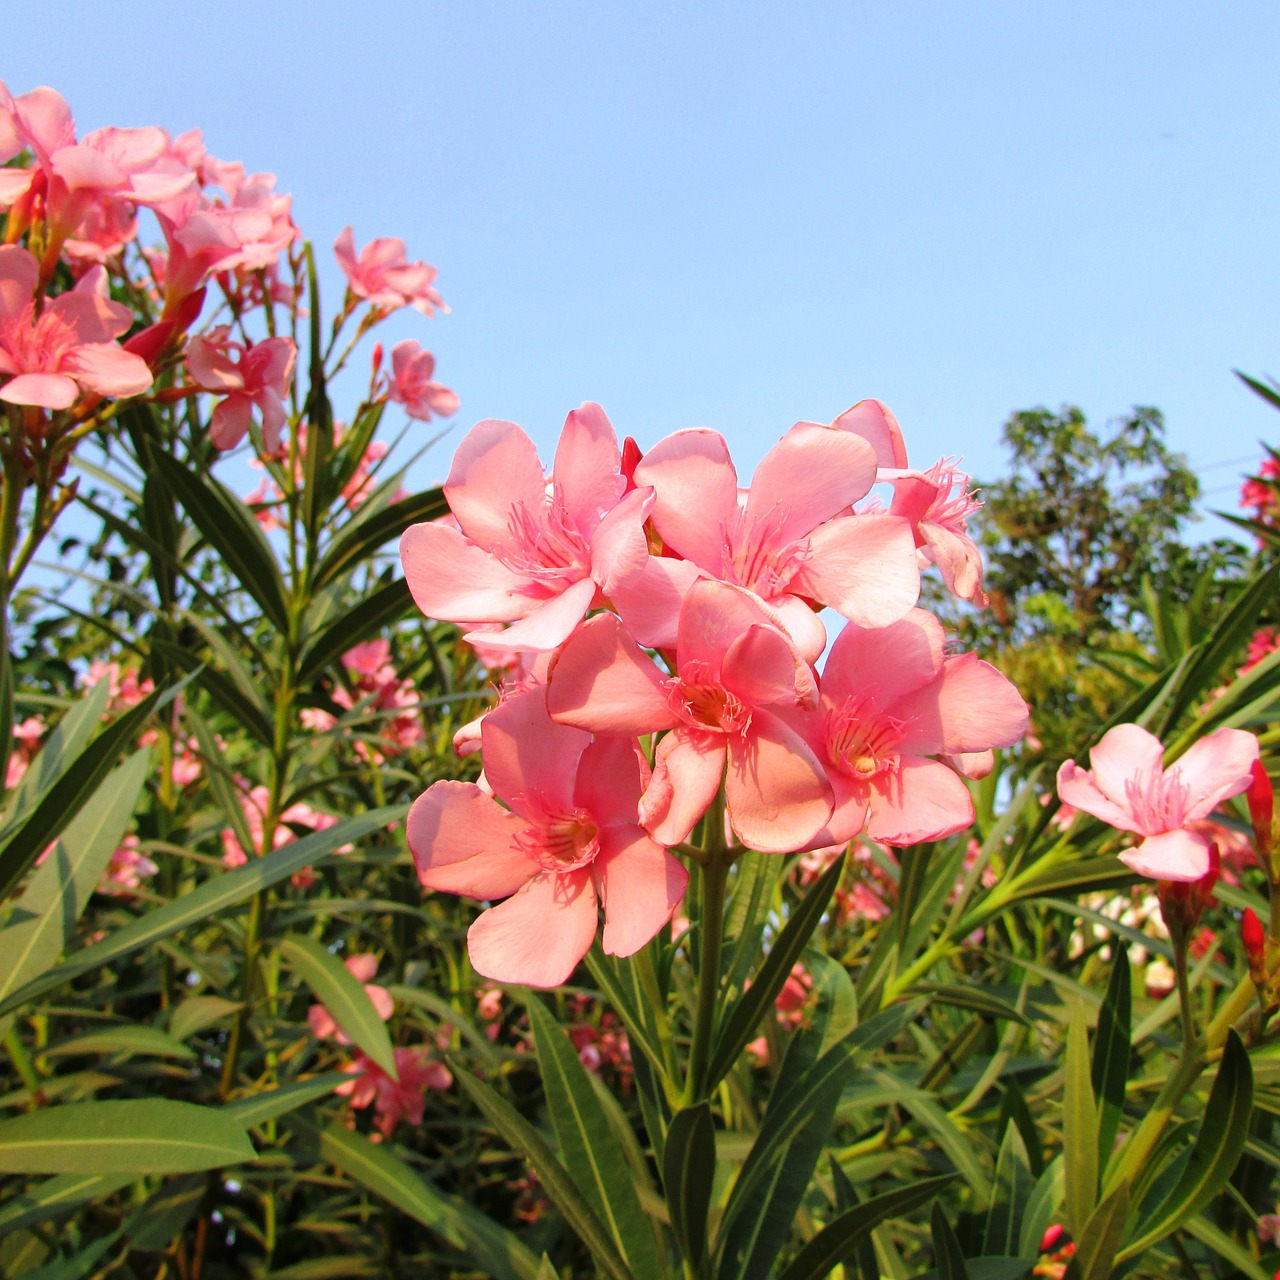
[(688, 1171), (373, 529), (1079, 1125)]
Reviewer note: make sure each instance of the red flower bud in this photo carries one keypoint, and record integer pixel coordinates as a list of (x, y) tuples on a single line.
[(1262, 799), (1255, 946)]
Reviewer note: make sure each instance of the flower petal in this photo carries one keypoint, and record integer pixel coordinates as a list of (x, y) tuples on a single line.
[(545, 627), (923, 801), (1172, 855), (697, 488), (641, 885), (463, 841), (776, 792), (1217, 768), (687, 770), (587, 466), (863, 566), (495, 472), (530, 761), (452, 578)]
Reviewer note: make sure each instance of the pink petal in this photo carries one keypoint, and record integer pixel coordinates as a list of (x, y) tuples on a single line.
[(802, 624), (762, 666), (44, 390), (530, 761), (1125, 754), (641, 885), (612, 775), (883, 665), (495, 472), (603, 681), (545, 627), (586, 467), (463, 841), (808, 477), (1217, 768), (362, 967), (19, 272), (539, 936), (713, 616), (1076, 787), (1171, 855), (231, 420), (970, 707), (872, 420), (862, 566), (688, 767), (650, 603), (452, 578), (697, 488), (108, 369), (924, 801), (619, 546), (777, 794)]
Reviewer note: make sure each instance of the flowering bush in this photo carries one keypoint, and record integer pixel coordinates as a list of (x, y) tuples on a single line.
[(828, 973)]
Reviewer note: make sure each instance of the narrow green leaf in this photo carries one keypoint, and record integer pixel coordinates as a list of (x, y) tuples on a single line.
[(616, 988), (165, 1215), (1079, 1125), (976, 999), (198, 1013), (271, 1104), (688, 1171), (948, 1259), (368, 533), (1081, 875), (1097, 1244), (1109, 1072), (586, 1143), (1218, 1146), (737, 1029), (135, 1136), (228, 690), (221, 782), (59, 890), (836, 1242), (1200, 1228), (1042, 1208), (1012, 1189), (380, 1171), (546, 1271), (953, 1054), (230, 529), (344, 997), (56, 1196), (226, 889), (131, 1041), (78, 1264), (556, 1182), (367, 618)]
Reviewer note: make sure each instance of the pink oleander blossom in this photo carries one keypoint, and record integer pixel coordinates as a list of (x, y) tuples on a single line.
[(891, 700), (124, 687), (529, 550), (789, 538), (49, 360), (384, 278), (247, 376), (567, 843), (1129, 788), (254, 802), (403, 1098), (730, 706), (27, 736), (411, 383), (362, 968), (126, 870)]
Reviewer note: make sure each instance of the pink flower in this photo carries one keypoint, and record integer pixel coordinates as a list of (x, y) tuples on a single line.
[(248, 376), (529, 550), (739, 681), (567, 843), (254, 803), (395, 1100), (411, 384), (126, 869), (125, 690), (938, 503), (26, 744), (362, 968), (383, 277), (787, 538), (1129, 788), (890, 700), (48, 360)]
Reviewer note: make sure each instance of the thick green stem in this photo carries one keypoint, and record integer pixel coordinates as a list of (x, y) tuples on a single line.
[(715, 875)]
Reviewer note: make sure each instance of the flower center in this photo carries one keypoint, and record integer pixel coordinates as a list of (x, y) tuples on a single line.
[(951, 508), (36, 345), (563, 842), (762, 562), (701, 702), (545, 546), (1159, 802), (862, 741)]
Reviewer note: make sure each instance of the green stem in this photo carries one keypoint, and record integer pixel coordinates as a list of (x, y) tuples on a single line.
[(715, 876), (1184, 996)]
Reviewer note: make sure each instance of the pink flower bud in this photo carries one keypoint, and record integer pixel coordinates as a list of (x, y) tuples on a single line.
[(1262, 798), (1255, 946)]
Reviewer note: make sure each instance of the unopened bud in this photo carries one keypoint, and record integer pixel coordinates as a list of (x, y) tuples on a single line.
[(1255, 948), (1182, 902), (1262, 802), (377, 358)]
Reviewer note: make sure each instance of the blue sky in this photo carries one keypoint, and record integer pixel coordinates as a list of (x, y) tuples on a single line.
[(741, 215)]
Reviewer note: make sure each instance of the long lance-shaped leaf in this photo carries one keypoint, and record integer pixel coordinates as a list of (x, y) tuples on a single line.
[(556, 1182), (745, 1016), (367, 618), (1109, 1072), (23, 842), (1223, 1133), (319, 415), (59, 891), (587, 1146), (56, 1196), (271, 1104), (78, 1264), (366, 534), (227, 889), (233, 533), (1012, 1189), (135, 1136), (1079, 1125), (380, 1171), (1097, 1244), (607, 972), (225, 689), (836, 1242), (948, 1260), (343, 995), (688, 1170)]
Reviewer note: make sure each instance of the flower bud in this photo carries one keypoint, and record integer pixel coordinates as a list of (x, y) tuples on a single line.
[(1255, 947)]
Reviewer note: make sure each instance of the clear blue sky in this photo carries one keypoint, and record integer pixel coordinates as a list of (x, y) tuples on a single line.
[(743, 214)]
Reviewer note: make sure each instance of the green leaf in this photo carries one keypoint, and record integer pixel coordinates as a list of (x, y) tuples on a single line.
[(1097, 1244), (1042, 1208), (59, 890), (976, 999), (688, 1171), (1079, 1125), (1080, 875), (586, 1143), (1218, 1146), (198, 1013), (367, 618), (225, 889), (56, 1196), (78, 1264), (1216, 1239), (172, 1205), (232, 690), (737, 1029), (132, 1041), (835, 1243), (370, 531), (28, 835), (1109, 1073), (230, 529), (134, 1136), (344, 997), (376, 1168), (947, 1257), (1012, 1189), (271, 1104), (615, 980), (556, 1182)]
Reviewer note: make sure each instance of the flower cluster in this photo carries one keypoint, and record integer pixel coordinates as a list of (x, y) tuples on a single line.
[(669, 626)]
